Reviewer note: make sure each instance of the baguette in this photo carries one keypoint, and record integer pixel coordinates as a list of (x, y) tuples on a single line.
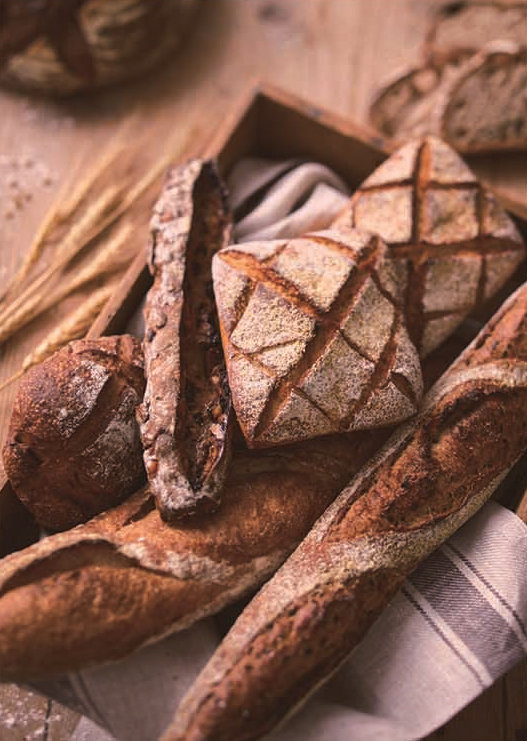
[(432, 476), (125, 578), (186, 419)]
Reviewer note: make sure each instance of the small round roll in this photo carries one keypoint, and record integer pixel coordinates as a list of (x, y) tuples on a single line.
[(73, 447)]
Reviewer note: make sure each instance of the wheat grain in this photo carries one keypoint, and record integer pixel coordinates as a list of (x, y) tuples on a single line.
[(108, 260), (73, 327), (83, 232)]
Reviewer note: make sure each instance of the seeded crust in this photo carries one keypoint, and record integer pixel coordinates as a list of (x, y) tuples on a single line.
[(445, 232), (73, 446), (431, 476), (460, 29), (485, 108), (186, 419), (313, 335)]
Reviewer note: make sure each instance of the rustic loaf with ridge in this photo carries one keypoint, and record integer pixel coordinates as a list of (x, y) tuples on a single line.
[(432, 475), (314, 336), (73, 447), (447, 234), (186, 416)]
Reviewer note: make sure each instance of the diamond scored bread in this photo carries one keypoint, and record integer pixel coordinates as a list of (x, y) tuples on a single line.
[(314, 336), (446, 233)]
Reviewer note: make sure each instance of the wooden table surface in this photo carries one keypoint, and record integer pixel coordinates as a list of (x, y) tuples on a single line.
[(333, 52)]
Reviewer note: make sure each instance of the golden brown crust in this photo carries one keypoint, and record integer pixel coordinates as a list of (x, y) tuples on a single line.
[(314, 336), (430, 477), (186, 416), (73, 446), (99, 591), (449, 235)]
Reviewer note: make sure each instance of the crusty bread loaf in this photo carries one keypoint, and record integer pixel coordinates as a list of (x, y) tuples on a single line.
[(430, 477), (484, 108), (186, 418), (446, 231), (460, 29), (103, 589), (314, 335), (73, 446)]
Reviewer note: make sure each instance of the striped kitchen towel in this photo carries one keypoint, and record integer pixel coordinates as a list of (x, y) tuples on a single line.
[(459, 623)]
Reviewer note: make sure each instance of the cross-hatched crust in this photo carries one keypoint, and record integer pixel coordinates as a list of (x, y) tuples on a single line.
[(311, 330), (445, 230)]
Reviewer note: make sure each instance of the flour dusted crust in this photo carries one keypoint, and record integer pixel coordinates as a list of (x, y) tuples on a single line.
[(460, 29), (444, 230), (314, 336), (428, 480), (73, 446), (185, 418), (485, 108)]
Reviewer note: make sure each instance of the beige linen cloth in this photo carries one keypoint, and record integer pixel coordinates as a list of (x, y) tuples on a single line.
[(459, 623)]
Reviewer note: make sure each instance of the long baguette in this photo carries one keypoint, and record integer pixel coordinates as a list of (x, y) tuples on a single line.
[(430, 477), (103, 589)]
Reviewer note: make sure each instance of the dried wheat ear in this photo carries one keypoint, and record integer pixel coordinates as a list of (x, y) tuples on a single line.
[(314, 336), (450, 239)]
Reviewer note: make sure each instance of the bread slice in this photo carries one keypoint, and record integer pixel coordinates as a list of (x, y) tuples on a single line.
[(445, 231), (407, 105), (314, 335), (484, 108), (459, 29)]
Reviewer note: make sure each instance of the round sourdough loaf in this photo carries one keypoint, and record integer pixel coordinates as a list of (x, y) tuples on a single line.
[(73, 447)]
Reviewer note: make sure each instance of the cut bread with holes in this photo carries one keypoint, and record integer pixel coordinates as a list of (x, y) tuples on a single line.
[(408, 104), (314, 335), (73, 447), (485, 108), (447, 234), (460, 29)]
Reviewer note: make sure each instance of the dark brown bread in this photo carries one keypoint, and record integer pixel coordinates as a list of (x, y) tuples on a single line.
[(98, 592), (134, 578), (73, 446), (186, 415), (431, 476)]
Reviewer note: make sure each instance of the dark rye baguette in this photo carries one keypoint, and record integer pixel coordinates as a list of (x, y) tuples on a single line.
[(186, 416), (430, 477)]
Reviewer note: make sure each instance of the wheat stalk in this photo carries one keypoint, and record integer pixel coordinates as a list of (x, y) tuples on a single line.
[(73, 327), (60, 210), (107, 261), (82, 232)]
